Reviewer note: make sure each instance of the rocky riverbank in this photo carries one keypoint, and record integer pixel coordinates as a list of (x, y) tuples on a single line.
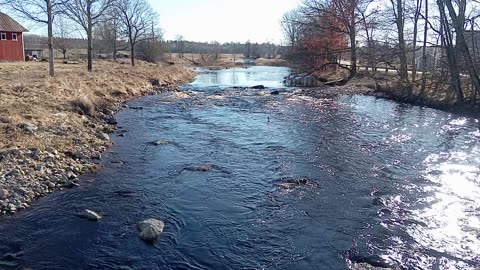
[(54, 130), (332, 92)]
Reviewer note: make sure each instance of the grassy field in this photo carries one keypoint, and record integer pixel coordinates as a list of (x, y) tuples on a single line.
[(56, 105)]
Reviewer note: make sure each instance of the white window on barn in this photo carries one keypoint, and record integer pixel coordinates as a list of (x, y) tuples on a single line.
[(14, 36), (3, 36)]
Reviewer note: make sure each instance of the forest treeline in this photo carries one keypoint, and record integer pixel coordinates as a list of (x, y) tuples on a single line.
[(105, 47)]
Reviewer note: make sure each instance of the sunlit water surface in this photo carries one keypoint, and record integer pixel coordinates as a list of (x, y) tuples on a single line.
[(297, 183)]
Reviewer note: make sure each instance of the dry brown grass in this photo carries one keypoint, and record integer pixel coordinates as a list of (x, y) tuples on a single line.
[(272, 62), (55, 105)]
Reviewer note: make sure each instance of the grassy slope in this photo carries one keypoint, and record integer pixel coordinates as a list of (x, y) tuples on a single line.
[(28, 95)]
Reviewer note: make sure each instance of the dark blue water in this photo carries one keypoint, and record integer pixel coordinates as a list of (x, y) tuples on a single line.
[(296, 183)]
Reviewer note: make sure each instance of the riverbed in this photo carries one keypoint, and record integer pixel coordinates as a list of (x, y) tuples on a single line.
[(285, 182)]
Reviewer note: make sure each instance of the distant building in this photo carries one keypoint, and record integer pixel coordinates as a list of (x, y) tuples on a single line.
[(11, 39), (34, 53)]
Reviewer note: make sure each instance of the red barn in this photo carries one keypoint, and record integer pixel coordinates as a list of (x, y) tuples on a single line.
[(11, 39)]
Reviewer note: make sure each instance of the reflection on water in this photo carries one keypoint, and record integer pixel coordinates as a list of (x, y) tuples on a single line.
[(250, 76), (324, 184)]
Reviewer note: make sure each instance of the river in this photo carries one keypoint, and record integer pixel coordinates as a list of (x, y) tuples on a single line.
[(295, 183)]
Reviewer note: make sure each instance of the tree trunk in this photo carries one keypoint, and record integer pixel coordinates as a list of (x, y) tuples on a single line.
[(447, 40), (400, 21), (370, 63), (424, 53), (353, 53), (51, 63), (415, 32), (115, 51), (89, 37), (132, 53)]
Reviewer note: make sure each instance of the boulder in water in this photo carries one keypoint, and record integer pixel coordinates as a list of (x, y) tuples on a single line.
[(89, 215), (302, 81), (150, 229), (202, 168), (290, 184), (370, 262), (259, 87), (275, 93), (160, 142)]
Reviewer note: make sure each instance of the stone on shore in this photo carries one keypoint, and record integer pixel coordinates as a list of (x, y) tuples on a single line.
[(3, 194), (79, 155), (28, 127), (103, 136), (89, 215), (150, 229)]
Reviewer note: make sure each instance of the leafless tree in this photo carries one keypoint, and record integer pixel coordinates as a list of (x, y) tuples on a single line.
[(447, 36), (109, 31), (350, 15), (180, 42), (290, 24), (62, 36), (87, 13), (248, 50), (210, 53), (39, 11), (424, 51), (136, 17), (458, 21), (398, 9), (151, 46), (416, 10)]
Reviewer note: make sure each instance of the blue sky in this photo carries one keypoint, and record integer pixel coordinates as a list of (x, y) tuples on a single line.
[(223, 20), (216, 20)]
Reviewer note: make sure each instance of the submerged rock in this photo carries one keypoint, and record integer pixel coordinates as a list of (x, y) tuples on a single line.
[(202, 168), (150, 229), (293, 183), (89, 215), (160, 142)]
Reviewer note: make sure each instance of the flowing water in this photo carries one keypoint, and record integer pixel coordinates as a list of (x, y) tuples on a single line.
[(251, 180)]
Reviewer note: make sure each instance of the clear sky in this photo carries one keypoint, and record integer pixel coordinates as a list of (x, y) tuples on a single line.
[(223, 20)]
